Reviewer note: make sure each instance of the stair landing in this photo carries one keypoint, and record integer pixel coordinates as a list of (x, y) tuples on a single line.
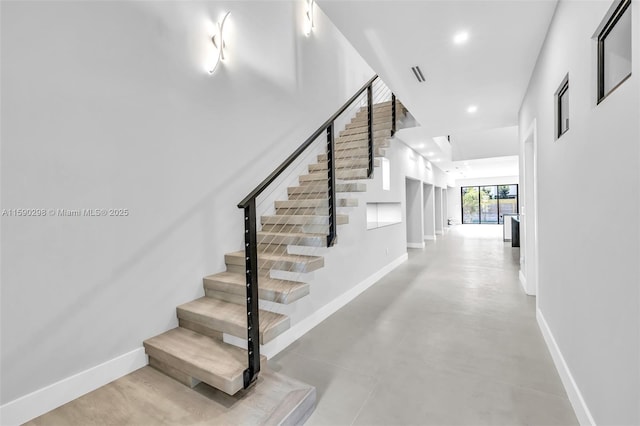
[(147, 397)]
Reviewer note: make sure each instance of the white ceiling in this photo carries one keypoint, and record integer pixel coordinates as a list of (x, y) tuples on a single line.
[(491, 70), (496, 142), (482, 168)]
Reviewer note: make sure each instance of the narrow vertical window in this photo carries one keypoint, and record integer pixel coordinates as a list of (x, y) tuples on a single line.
[(562, 108), (614, 50)]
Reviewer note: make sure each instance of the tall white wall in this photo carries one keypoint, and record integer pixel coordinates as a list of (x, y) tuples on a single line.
[(438, 209), (429, 210), (414, 214), (588, 210), (108, 105)]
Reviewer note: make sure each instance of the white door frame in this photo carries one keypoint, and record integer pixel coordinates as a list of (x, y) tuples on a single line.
[(530, 212)]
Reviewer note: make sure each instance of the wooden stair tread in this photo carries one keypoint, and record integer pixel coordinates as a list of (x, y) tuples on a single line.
[(231, 318), (239, 255), (311, 239), (279, 291), (316, 202), (212, 361), (302, 219)]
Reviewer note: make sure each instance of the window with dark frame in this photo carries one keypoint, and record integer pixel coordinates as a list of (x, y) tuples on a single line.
[(489, 203), (614, 50), (562, 108)]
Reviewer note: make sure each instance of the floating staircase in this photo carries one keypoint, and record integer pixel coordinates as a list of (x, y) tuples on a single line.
[(195, 352)]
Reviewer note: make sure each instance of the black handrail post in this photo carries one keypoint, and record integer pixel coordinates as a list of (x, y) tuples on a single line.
[(251, 261), (331, 182), (370, 128), (393, 114)]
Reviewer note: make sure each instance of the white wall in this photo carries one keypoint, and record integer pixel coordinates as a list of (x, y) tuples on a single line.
[(429, 212), (455, 208), (438, 209), (108, 105), (414, 214), (588, 210)]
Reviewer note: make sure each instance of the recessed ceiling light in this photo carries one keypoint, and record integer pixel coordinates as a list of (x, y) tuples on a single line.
[(429, 154), (472, 109), (421, 145), (461, 37)]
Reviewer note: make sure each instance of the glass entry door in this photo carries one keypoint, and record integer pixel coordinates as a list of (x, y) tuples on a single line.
[(488, 204)]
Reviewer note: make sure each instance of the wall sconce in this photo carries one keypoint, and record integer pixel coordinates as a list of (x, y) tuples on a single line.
[(219, 44), (309, 24)]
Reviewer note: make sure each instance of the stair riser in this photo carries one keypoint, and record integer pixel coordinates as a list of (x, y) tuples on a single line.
[(281, 265), (378, 143), (345, 164), (214, 287), (228, 327), (341, 174), (287, 240), (308, 229), (321, 189), (292, 204), (349, 150), (302, 220), (174, 373), (358, 153), (359, 137), (363, 126), (237, 299), (229, 387), (322, 211), (363, 131)]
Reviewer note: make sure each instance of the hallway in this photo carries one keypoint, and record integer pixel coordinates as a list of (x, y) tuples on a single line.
[(449, 337)]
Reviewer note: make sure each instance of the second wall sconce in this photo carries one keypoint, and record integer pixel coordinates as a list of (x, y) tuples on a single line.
[(219, 43), (309, 24)]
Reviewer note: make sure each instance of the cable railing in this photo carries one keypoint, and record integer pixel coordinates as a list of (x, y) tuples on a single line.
[(308, 220)]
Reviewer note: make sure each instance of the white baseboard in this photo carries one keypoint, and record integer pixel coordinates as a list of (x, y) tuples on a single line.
[(43, 400), (416, 245), (439, 232), (523, 280), (300, 329), (430, 237), (573, 392)]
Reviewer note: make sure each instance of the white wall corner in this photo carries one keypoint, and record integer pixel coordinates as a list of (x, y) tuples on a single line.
[(43, 400), (573, 392), (298, 330), (416, 245)]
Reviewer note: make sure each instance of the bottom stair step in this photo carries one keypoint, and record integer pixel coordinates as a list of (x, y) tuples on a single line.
[(209, 360)]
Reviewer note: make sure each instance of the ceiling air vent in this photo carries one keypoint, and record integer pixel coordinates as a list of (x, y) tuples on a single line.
[(418, 73)]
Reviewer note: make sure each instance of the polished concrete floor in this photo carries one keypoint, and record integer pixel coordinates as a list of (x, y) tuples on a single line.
[(448, 337)]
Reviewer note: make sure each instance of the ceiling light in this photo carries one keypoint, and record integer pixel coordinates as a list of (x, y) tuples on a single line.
[(421, 145), (437, 160), (472, 109), (429, 154), (461, 37)]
